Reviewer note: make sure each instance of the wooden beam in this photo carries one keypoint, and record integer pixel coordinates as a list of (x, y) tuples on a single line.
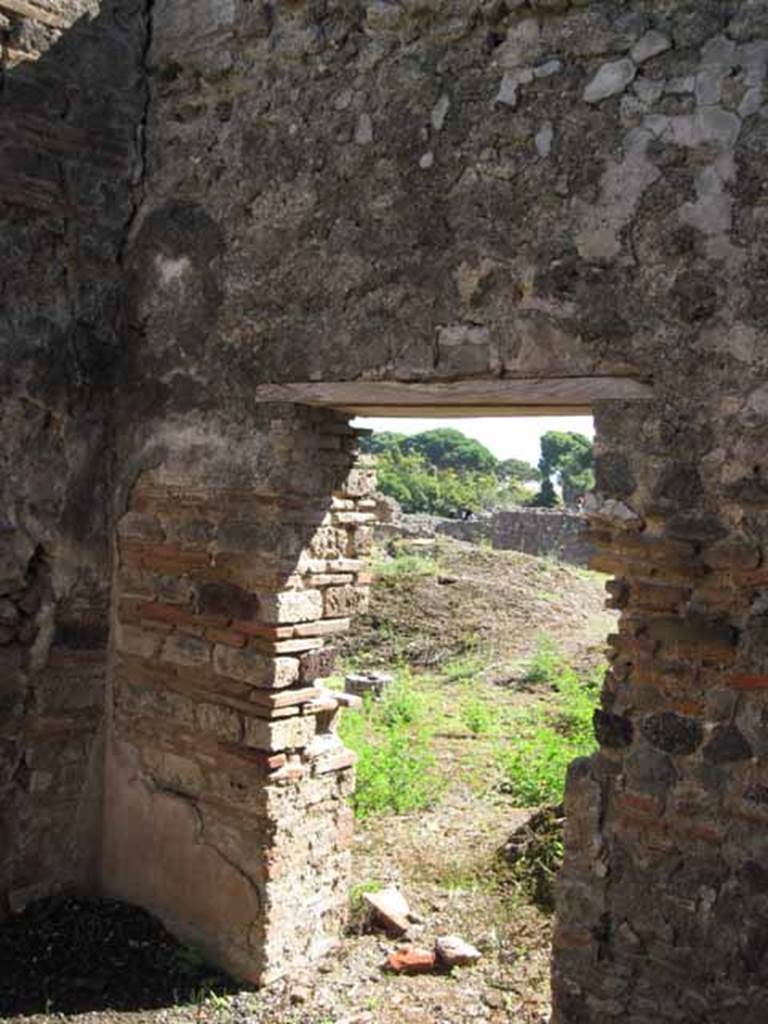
[(558, 396), (463, 411)]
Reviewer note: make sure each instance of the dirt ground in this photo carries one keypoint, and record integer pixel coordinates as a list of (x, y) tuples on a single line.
[(105, 963), (498, 602)]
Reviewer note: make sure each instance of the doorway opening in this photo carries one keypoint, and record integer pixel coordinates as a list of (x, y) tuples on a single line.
[(480, 659)]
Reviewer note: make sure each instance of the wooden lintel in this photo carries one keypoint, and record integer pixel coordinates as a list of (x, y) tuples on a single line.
[(459, 411), (559, 396)]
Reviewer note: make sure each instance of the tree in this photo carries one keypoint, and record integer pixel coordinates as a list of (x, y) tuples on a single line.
[(567, 456), (442, 472), (381, 441), (546, 496), (518, 470), (447, 448)]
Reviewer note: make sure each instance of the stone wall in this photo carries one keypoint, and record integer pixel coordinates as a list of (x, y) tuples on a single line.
[(238, 558), (530, 530), (664, 841), (72, 96), (240, 193), (542, 532)]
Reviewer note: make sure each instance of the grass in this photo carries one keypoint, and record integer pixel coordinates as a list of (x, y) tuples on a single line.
[(521, 751), (407, 565), (546, 665), (552, 734), (396, 770)]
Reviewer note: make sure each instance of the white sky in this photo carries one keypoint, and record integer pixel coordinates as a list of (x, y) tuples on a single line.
[(507, 437)]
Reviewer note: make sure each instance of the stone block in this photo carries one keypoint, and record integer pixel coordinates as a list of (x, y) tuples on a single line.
[(222, 722), (345, 601), (317, 664), (133, 640), (284, 734), (181, 649), (227, 601), (252, 666), (291, 606)]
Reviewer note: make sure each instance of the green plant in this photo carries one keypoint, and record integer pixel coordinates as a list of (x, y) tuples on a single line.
[(535, 853), (547, 662), (464, 668), (404, 564), (477, 715), (551, 735), (395, 770), (356, 893)]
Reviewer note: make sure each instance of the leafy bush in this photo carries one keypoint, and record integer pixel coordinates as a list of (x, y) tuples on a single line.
[(396, 771), (535, 853)]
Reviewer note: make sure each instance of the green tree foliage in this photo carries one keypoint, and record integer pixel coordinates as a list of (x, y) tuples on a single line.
[(381, 441), (518, 470), (568, 457), (546, 496), (446, 448), (421, 487), (442, 472)]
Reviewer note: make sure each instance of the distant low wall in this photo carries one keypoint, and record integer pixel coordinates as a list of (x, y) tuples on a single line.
[(534, 531), (541, 532)]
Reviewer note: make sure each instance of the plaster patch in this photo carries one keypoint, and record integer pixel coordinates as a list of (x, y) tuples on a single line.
[(171, 271), (622, 187)]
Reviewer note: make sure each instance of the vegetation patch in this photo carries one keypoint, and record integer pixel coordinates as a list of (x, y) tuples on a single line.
[(396, 769), (550, 735)]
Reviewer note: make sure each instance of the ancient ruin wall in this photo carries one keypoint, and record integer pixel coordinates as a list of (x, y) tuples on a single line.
[(238, 558), (72, 97), (413, 192), (539, 532), (405, 191)]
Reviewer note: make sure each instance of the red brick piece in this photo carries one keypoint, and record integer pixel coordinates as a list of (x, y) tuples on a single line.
[(412, 961)]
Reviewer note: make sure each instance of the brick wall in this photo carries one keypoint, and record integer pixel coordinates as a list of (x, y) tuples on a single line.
[(227, 785)]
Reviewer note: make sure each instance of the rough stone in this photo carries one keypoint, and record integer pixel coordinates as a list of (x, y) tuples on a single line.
[(650, 45), (453, 951), (672, 733), (611, 79), (614, 731), (726, 744)]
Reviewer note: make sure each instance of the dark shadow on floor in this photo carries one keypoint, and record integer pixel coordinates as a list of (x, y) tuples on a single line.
[(74, 955)]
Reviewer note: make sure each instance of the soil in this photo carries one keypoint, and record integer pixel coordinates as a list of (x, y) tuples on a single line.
[(498, 602), (99, 962)]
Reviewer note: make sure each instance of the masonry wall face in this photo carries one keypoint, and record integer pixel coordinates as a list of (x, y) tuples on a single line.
[(231, 193), (559, 534), (72, 96), (238, 559)]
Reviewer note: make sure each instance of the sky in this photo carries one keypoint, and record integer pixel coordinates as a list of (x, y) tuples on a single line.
[(507, 437)]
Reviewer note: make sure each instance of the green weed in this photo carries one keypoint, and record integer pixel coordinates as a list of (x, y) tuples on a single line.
[(405, 565), (547, 663), (464, 668), (477, 715), (395, 770), (535, 854), (550, 736)]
